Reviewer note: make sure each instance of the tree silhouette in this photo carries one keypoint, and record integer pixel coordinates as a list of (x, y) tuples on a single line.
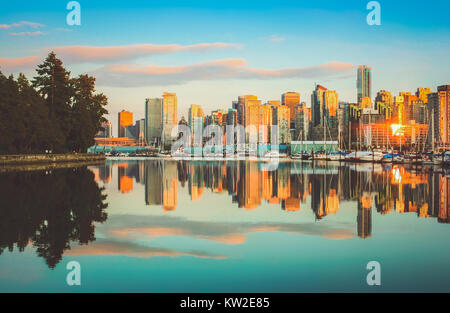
[(56, 112), (51, 212)]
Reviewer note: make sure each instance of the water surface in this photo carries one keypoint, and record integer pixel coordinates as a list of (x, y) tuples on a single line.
[(224, 226)]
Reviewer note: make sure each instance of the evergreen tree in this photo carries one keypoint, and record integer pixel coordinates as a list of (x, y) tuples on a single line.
[(87, 113), (55, 86), (55, 112)]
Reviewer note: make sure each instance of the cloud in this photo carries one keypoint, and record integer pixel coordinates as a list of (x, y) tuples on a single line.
[(120, 53), (275, 38), (112, 247), (138, 74), (15, 64), (38, 33), (20, 24), (130, 228)]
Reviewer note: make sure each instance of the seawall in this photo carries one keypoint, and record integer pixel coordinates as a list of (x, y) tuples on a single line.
[(20, 159)]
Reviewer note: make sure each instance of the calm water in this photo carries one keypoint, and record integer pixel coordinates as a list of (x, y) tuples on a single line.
[(167, 226)]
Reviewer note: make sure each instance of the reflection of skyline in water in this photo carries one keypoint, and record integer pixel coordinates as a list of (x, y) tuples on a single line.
[(289, 187)]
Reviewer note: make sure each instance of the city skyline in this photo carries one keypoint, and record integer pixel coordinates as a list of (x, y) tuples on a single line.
[(304, 44)]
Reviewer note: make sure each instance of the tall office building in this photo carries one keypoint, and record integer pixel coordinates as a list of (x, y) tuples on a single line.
[(194, 111), (170, 115), (281, 117), (317, 105), (125, 119), (422, 94), (274, 103), (242, 107), (291, 100), (153, 120), (364, 82), (384, 103), (302, 120), (439, 115), (260, 116), (136, 130)]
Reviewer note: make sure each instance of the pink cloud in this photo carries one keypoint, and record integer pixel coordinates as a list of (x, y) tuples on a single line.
[(118, 53), (38, 33), (142, 74), (20, 24), (15, 64)]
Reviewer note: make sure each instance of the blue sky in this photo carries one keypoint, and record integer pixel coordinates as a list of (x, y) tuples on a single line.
[(224, 49)]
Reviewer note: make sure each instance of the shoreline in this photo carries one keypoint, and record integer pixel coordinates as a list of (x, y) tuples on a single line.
[(48, 159)]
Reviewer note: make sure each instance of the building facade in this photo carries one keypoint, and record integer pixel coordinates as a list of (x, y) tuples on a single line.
[(364, 82)]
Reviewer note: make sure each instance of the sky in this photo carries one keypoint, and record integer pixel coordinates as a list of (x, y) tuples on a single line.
[(210, 52)]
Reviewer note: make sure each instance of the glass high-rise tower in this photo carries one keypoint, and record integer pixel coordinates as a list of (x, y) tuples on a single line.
[(364, 82)]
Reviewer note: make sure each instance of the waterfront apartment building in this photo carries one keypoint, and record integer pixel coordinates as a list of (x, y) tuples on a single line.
[(364, 82), (125, 119), (153, 121), (439, 115)]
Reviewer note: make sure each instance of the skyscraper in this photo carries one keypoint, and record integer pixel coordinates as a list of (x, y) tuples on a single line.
[(384, 103), (195, 111), (170, 115), (291, 99), (281, 117), (364, 82), (153, 120), (242, 106), (125, 119), (317, 105), (439, 115)]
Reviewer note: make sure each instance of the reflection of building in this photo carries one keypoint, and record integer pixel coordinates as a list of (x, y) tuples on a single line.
[(153, 183), (170, 186), (364, 218), (105, 173), (125, 183), (400, 190)]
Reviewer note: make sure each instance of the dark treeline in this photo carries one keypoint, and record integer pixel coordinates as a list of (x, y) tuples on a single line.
[(53, 112), (49, 212)]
